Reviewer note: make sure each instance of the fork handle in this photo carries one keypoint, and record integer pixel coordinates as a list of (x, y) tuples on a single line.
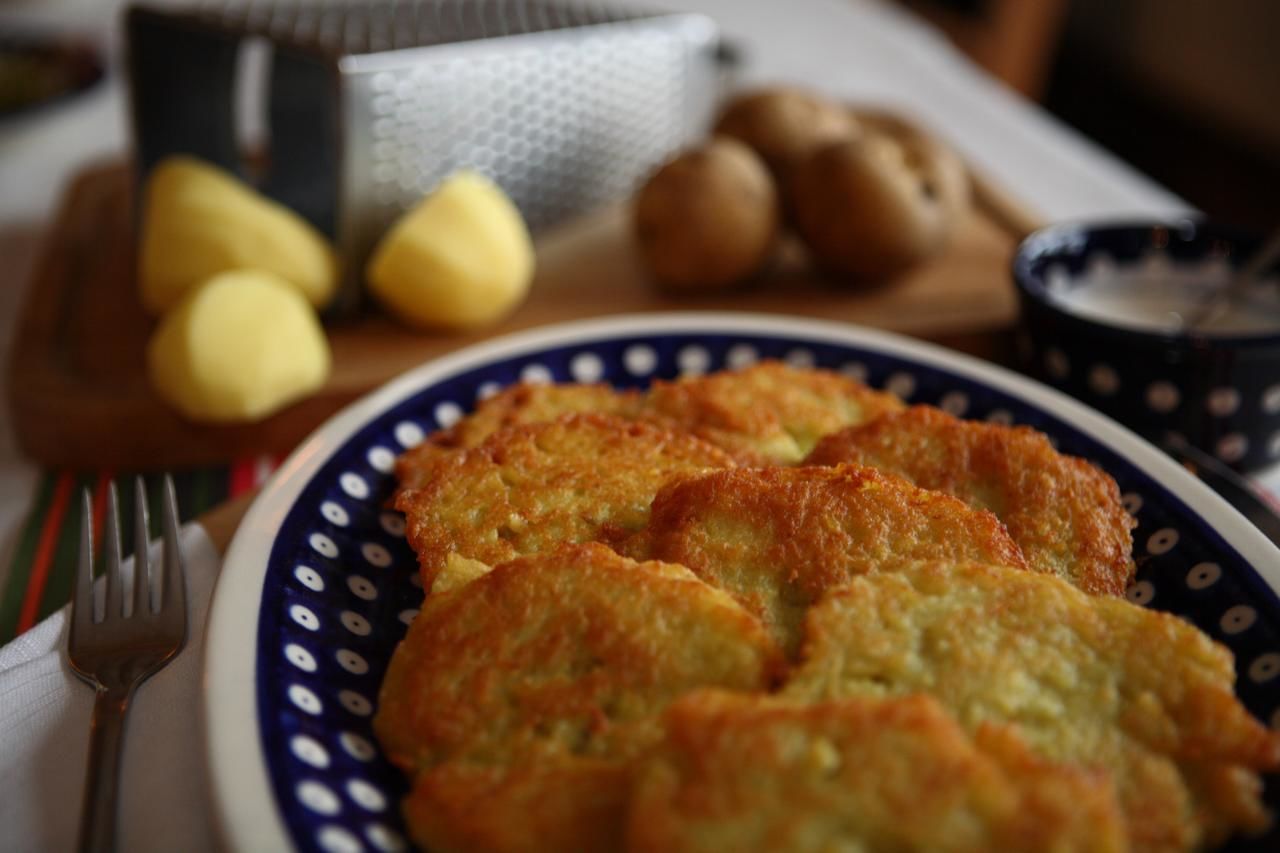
[(102, 778)]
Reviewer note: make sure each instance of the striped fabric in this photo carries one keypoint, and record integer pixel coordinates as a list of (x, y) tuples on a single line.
[(39, 578)]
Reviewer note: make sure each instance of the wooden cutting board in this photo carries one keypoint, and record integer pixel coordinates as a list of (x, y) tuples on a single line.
[(80, 398)]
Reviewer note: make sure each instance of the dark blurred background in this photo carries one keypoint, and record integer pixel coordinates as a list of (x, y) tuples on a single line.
[(1187, 91)]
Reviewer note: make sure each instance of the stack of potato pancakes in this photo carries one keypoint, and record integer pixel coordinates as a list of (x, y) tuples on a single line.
[(774, 609)]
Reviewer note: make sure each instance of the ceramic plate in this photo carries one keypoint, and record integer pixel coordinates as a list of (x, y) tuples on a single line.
[(319, 584)]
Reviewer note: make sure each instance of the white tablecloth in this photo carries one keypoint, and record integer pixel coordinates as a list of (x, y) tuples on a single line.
[(855, 49)]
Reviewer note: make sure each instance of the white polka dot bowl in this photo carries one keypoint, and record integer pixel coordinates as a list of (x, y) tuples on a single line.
[(319, 585), (1105, 313)]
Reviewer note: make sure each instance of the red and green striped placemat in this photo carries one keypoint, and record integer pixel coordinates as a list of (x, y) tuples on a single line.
[(39, 578)]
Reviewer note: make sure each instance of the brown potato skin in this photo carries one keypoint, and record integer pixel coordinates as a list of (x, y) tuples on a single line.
[(708, 219), (863, 211), (943, 167), (783, 125)]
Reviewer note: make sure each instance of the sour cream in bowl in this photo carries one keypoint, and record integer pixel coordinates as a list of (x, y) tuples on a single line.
[(1108, 315)]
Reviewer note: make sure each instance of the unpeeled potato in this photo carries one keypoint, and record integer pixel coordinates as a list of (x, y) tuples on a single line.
[(938, 162), (199, 220), (239, 347), (869, 208), (707, 219), (865, 211), (783, 124), (462, 258)]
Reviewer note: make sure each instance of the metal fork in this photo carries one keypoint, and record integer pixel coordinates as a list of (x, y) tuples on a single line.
[(121, 651)]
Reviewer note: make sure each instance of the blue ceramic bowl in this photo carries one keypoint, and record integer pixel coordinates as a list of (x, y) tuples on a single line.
[(1218, 390)]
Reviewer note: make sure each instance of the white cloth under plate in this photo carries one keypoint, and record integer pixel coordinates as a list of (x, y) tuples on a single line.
[(44, 736)]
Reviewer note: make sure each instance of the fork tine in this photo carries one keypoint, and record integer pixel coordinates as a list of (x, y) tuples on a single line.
[(141, 556), (111, 556), (173, 602), (119, 654), (82, 588)]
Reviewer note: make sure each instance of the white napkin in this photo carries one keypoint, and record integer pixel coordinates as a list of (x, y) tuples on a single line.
[(44, 736)]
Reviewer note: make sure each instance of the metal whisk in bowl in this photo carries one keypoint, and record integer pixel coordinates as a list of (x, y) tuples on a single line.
[(370, 104)]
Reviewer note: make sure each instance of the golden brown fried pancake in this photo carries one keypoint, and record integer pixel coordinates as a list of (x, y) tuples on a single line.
[(1064, 513), (523, 403), (769, 411), (541, 680), (778, 538), (748, 773), (547, 804), (1087, 680), (529, 488)]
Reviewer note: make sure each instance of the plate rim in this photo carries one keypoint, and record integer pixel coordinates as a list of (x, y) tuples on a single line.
[(243, 803)]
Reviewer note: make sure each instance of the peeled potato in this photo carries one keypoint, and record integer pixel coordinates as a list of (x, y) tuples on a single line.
[(199, 221), (462, 258), (707, 219), (238, 348)]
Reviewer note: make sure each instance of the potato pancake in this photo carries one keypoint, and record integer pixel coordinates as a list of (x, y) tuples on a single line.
[(778, 538), (528, 488), (1087, 680), (770, 411), (550, 803), (1064, 513), (748, 773), (522, 403), (774, 609), (556, 666)]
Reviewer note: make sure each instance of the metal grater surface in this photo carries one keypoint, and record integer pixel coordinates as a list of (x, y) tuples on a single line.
[(371, 104), (348, 28)]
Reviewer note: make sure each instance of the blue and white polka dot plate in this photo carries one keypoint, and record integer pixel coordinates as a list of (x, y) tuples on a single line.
[(319, 584)]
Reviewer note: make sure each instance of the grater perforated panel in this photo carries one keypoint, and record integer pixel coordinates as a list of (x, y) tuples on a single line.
[(370, 105)]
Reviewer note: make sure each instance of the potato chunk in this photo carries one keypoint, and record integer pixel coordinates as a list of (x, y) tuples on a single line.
[(238, 348), (783, 124), (200, 221), (460, 259), (708, 219)]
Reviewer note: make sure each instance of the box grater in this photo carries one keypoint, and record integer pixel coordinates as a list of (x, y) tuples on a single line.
[(369, 104)]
